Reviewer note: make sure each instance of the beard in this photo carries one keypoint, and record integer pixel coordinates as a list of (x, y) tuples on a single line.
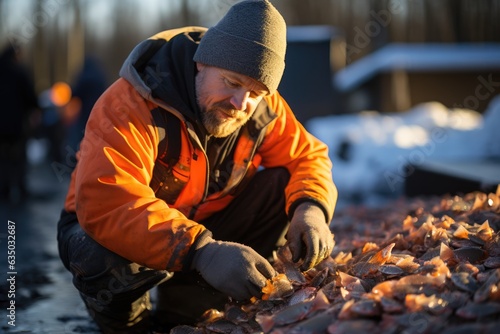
[(221, 119)]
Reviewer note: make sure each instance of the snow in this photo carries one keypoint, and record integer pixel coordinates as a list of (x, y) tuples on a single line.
[(419, 57), (373, 152)]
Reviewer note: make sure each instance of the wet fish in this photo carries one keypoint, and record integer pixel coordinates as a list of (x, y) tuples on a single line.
[(386, 289), (489, 289), (293, 313), (399, 242), (470, 254), (345, 311), (290, 269), (473, 328), (426, 265), (235, 313), (492, 262), (408, 264), (411, 322), (412, 284), (391, 269), (433, 304), (435, 237), (302, 295), (352, 327), (351, 283), (331, 290), (478, 310), (371, 266), (465, 281), (319, 278), (366, 307), (390, 305), (184, 329), (278, 287), (222, 325), (316, 324)]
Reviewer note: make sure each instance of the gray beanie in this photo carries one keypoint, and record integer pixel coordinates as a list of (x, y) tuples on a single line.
[(250, 39)]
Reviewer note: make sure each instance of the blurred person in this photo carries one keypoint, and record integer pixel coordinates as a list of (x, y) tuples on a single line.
[(192, 171), (19, 106), (88, 86), (53, 102)]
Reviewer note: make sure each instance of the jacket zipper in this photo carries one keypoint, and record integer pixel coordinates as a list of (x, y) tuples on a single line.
[(196, 141)]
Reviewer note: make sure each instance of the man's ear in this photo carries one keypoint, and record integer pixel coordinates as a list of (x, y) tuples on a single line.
[(199, 66)]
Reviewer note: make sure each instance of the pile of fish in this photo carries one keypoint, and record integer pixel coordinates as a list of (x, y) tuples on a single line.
[(429, 265)]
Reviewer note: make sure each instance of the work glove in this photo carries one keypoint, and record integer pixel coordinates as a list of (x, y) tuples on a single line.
[(234, 269), (309, 236)]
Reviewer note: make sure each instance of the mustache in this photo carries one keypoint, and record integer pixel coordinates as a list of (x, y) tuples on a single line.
[(228, 109)]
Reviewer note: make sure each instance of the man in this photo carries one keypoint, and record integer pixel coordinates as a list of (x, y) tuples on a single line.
[(191, 170)]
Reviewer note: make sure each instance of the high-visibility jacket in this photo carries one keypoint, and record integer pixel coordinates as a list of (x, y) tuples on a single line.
[(111, 187)]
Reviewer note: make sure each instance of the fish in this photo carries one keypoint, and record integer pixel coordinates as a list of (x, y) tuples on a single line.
[(235, 313), (489, 289), (304, 294), (316, 324), (408, 264), (470, 254), (419, 302), (464, 281), (366, 307), (222, 325), (390, 305), (372, 264), (492, 262), (345, 311), (435, 237), (278, 287), (422, 265), (283, 258), (391, 269), (185, 329), (475, 311), (410, 322), (352, 327), (319, 278), (351, 283), (292, 313)]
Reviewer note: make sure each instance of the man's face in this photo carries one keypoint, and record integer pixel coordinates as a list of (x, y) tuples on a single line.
[(226, 99)]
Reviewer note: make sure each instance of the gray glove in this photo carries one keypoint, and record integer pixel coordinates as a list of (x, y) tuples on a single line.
[(234, 269), (309, 236)]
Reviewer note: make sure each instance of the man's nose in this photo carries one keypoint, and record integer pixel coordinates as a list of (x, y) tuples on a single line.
[(239, 99)]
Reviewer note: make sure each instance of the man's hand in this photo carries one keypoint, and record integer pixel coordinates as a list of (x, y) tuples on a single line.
[(309, 236), (234, 269)]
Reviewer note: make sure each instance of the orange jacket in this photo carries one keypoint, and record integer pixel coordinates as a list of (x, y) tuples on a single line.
[(110, 186)]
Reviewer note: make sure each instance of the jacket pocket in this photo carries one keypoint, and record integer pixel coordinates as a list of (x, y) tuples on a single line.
[(167, 183)]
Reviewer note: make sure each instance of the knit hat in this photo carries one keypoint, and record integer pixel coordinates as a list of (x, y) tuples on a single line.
[(250, 39)]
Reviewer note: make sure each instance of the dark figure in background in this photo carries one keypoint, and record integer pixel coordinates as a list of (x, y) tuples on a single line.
[(19, 101), (90, 83)]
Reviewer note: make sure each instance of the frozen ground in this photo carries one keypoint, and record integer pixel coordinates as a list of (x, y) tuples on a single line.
[(45, 299)]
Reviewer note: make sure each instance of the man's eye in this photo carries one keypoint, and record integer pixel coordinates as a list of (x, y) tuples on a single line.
[(231, 84), (255, 95)]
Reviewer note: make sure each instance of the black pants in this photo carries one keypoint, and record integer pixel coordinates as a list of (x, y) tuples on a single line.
[(116, 290)]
